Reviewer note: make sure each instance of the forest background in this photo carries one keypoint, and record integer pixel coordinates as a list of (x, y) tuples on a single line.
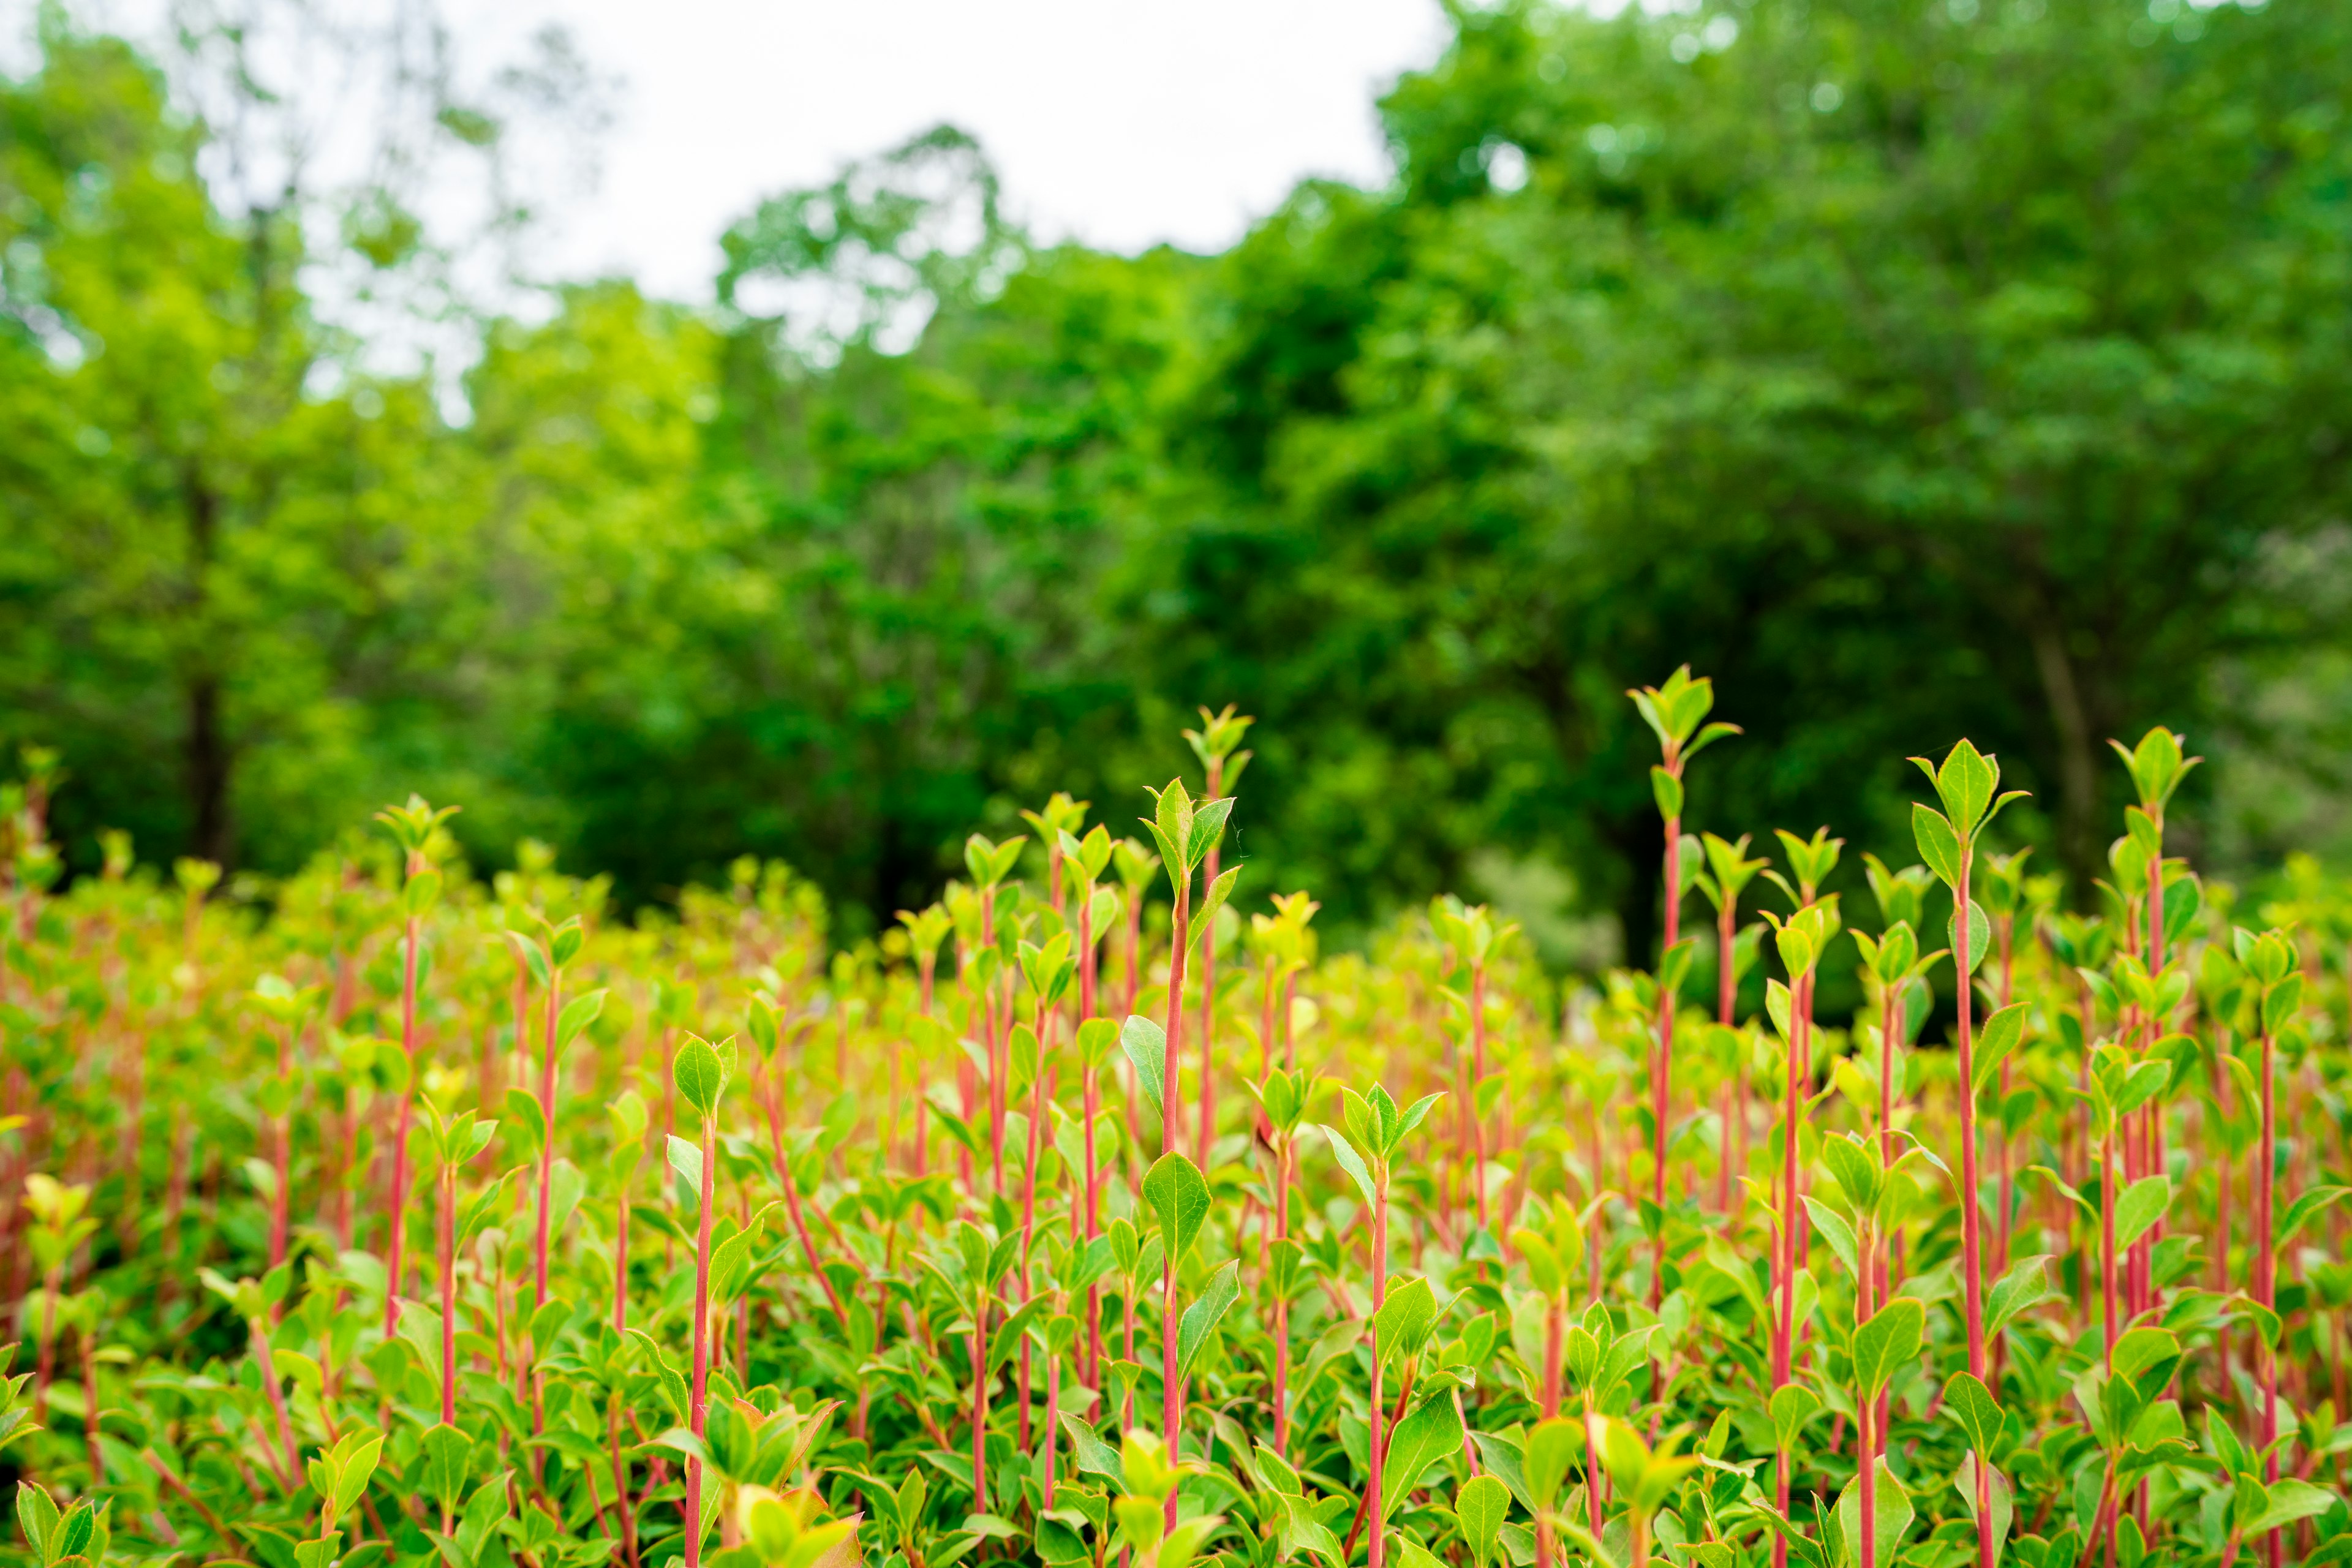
[(1982, 366)]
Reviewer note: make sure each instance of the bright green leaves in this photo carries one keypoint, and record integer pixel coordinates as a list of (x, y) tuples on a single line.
[(2270, 962), (785, 1531), (1890, 1522), (37, 1516), (1152, 1477), (2157, 765), (2140, 1205), (700, 1071), (80, 1532), (1811, 860), (989, 863), (1481, 1505), (1429, 1430), (1804, 936), (1377, 1129), (1793, 1405), (1201, 1319), (2000, 1037), (1644, 1477), (1186, 829), (1552, 1450), (2304, 1207), (415, 826), (577, 1015), (1048, 969), (1285, 1097), (2024, 1285), (1886, 1344), (1966, 783), (459, 1139), (1401, 1329), (1728, 869), (1973, 1408), (1146, 1045), (1179, 1198), (339, 1475), (1673, 712), (1553, 1255), (1214, 741), (1667, 791), (1940, 847), (447, 1456)]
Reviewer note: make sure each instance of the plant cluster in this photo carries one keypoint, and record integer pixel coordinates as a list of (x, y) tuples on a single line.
[(433, 1220)]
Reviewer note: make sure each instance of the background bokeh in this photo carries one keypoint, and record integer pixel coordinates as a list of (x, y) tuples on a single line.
[(1983, 366)]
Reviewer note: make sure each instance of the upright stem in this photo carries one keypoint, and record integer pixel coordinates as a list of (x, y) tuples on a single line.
[(1209, 991), (1784, 1331), (1972, 1272), (398, 1202), (1282, 1303), (547, 1143), (1373, 1502), (1727, 1001), (1662, 1069), (1865, 1447), (1171, 1398), (2265, 1268), (1890, 1035), (446, 1256), (2107, 1244), (700, 1405), (1477, 1076)]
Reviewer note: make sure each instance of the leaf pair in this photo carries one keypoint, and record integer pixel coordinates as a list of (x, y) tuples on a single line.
[(1966, 783)]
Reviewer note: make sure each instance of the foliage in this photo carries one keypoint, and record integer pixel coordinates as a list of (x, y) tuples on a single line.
[(436, 1221), (1969, 366)]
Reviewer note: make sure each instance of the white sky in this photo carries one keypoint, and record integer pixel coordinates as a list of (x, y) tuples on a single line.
[(1120, 123)]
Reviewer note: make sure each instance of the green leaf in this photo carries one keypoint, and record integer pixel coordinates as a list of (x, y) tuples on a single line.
[(1667, 790), (1481, 1505), (686, 1159), (1401, 1325), (1551, 1449), (1092, 1454), (1791, 1407), (1938, 846), (1968, 1402), (37, 1516), (2288, 1502), (1429, 1431), (1201, 1318), (1179, 1196), (1891, 1517), (2299, 1213), (357, 1456), (2004, 1506), (1833, 1230), (1882, 1345), (700, 1075), (1351, 1162), (577, 1015), (2025, 1284), (1146, 1045), (1205, 920), (2140, 1205), (2000, 1037), (1208, 828), (447, 1454), (1966, 781)]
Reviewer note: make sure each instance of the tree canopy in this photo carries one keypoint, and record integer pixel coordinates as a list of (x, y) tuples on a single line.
[(1984, 362)]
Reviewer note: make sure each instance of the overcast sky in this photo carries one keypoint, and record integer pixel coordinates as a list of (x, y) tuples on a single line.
[(1120, 123)]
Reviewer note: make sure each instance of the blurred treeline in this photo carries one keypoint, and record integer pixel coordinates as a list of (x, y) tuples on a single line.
[(1912, 369)]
